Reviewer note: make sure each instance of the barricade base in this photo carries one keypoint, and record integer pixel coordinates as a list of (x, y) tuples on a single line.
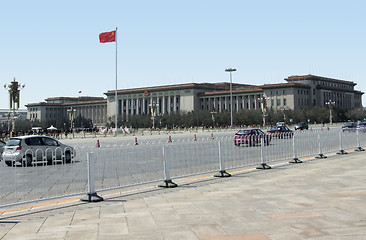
[(264, 166), (168, 184), (92, 197), (321, 156), (359, 149), (342, 152), (223, 173), (295, 160)]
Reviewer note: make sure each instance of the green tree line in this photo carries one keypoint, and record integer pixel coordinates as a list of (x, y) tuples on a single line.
[(203, 118)]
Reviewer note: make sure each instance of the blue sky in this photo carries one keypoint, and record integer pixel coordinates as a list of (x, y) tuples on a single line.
[(53, 47)]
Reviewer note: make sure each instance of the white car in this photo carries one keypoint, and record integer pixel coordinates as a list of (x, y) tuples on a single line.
[(34, 149)]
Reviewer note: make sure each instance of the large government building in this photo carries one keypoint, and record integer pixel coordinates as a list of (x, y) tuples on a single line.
[(299, 92)]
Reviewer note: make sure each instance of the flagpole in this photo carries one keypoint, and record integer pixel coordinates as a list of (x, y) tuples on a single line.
[(115, 93)]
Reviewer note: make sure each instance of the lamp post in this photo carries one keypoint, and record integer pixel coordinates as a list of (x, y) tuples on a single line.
[(230, 70), (14, 99), (213, 118), (263, 100), (330, 103), (72, 111), (153, 112), (284, 114)]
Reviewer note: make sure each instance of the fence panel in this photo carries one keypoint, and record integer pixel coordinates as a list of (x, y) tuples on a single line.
[(128, 165), (191, 158)]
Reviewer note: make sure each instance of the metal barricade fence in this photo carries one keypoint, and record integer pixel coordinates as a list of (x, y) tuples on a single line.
[(128, 165), (41, 180), (118, 166), (191, 158)]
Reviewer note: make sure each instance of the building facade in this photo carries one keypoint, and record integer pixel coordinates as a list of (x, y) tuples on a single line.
[(299, 92), (94, 108)]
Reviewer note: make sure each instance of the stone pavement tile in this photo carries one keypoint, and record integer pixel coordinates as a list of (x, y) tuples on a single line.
[(56, 223), (82, 234), (138, 220), (6, 226), (207, 230), (249, 236), (112, 224), (26, 226), (180, 234), (135, 205), (307, 231), (186, 207), (166, 217), (193, 218)]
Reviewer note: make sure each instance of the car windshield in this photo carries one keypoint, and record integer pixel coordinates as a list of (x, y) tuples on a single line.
[(260, 132), (362, 124), (13, 142), (350, 124), (274, 129), (243, 132)]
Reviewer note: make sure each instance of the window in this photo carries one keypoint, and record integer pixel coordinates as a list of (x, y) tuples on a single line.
[(33, 141), (278, 102), (284, 102), (49, 142)]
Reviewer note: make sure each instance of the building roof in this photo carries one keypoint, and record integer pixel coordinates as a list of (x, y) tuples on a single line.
[(68, 101), (255, 89), (285, 85), (208, 86), (314, 77)]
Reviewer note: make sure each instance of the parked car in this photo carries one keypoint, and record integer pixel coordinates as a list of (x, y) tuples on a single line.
[(361, 126), (349, 126), (280, 131), (302, 126), (251, 137), (2, 144), (28, 150)]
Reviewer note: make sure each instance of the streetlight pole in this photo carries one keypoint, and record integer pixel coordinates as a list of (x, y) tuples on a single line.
[(72, 111), (14, 99), (230, 70), (263, 101), (331, 104)]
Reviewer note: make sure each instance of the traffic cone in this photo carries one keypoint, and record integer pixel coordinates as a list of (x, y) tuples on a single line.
[(194, 138), (136, 143), (98, 144), (170, 139), (212, 137)]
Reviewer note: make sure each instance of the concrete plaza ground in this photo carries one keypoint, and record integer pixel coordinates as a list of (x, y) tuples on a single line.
[(317, 199)]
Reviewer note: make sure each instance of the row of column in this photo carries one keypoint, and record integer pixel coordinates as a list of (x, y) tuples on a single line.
[(96, 113), (142, 106), (223, 103)]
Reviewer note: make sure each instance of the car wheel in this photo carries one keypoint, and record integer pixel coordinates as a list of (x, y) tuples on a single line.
[(28, 161), (68, 157), (9, 163)]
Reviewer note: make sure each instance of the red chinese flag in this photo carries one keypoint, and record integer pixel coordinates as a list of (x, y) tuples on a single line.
[(107, 37)]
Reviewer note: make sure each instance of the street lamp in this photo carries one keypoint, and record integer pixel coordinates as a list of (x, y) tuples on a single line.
[(213, 118), (230, 70), (72, 111), (263, 100), (153, 112), (14, 98), (330, 103)]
